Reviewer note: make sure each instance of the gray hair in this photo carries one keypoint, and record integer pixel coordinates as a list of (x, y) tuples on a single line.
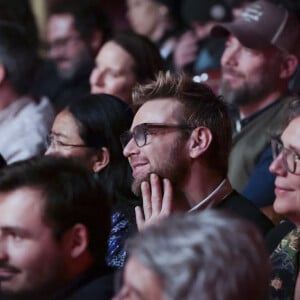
[(209, 256)]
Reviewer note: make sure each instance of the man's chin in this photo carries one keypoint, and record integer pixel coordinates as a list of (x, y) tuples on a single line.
[(136, 184)]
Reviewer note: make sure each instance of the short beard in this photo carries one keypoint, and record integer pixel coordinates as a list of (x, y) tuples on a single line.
[(174, 167), (246, 94), (80, 67)]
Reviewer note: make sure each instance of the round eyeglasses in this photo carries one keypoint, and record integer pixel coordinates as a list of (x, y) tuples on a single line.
[(141, 131), (289, 157), (55, 144)]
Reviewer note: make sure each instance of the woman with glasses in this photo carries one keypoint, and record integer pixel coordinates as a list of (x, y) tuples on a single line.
[(89, 130), (284, 240)]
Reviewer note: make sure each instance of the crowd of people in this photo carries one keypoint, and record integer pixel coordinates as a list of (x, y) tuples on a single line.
[(161, 162)]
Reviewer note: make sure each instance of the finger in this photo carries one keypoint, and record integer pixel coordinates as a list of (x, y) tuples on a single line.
[(167, 202), (156, 194), (146, 196), (139, 217)]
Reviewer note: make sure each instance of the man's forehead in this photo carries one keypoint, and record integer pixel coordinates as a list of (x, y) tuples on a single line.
[(24, 198), (158, 110), (59, 24)]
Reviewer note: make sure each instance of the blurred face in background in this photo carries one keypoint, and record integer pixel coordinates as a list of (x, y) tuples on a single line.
[(144, 16), (113, 72), (244, 70), (68, 50)]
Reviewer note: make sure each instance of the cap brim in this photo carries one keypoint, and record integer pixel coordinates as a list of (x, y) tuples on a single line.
[(246, 36)]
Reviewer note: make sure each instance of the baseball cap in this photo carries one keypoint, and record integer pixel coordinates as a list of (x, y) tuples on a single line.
[(263, 24)]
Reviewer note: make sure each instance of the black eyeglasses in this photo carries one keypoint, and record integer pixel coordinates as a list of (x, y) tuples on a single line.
[(140, 132), (55, 144), (289, 157)]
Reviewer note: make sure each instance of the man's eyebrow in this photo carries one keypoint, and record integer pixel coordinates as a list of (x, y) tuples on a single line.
[(4, 230)]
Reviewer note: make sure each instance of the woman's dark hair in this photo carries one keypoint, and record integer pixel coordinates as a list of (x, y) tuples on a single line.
[(101, 119), (147, 59)]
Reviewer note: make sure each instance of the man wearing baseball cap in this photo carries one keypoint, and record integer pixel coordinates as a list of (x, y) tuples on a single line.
[(261, 55)]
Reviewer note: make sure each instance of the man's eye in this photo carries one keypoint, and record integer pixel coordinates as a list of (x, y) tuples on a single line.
[(16, 237), (59, 143)]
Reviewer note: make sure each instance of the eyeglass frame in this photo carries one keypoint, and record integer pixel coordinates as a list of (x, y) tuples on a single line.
[(49, 143), (275, 141), (126, 136)]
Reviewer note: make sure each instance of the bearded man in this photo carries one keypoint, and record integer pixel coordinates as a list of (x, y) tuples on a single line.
[(178, 148), (260, 58)]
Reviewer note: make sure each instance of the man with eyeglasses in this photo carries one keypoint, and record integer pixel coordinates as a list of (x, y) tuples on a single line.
[(283, 240), (76, 31), (178, 148)]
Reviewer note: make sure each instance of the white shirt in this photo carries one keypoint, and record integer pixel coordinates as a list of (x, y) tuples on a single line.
[(24, 126)]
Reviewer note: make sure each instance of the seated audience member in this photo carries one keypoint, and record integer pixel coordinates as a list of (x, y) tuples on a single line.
[(54, 224), (181, 133), (24, 121), (160, 21), (122, 62), (211, 255), (285, 282), (88, 130), (76, 30), (196, 51), (261, 56)]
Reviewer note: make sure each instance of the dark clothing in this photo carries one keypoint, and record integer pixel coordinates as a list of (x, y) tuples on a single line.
[(260, 186), (242, 207), (123, 225), (92, 285), (209, 54), (275, 235)]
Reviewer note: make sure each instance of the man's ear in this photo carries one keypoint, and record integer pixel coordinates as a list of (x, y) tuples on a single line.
[(200, 140), (76, 240), (96, 41), (288, 66), (2, 73), (101, 159)]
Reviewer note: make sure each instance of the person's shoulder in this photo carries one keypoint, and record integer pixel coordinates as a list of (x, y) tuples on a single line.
[(99, 288), (244, 208), (274, 237)]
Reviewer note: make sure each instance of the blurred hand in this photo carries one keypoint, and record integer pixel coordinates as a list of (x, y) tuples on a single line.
[(157, 197), (186, 50)]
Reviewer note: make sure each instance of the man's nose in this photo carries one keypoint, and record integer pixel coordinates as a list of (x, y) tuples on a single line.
[(230, 56), (3, 251), (130, 148)]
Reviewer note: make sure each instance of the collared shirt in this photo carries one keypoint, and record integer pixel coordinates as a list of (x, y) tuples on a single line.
[(215, 197)]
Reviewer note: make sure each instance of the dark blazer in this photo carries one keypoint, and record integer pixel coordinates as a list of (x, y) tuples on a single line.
[(92, 285), (244, 208)]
